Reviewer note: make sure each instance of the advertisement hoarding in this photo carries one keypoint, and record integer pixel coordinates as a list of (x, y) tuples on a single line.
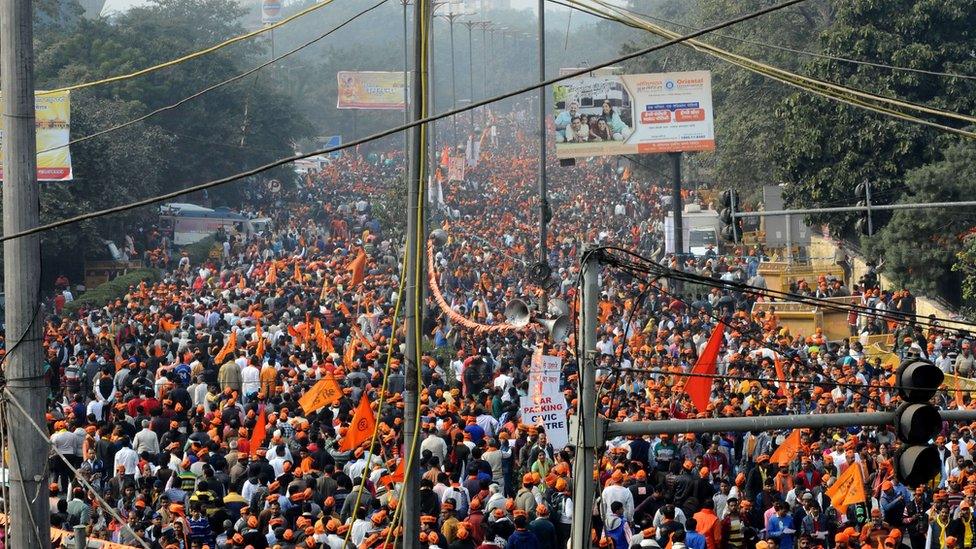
[(53, 112), (270, 11), (370, 90), (633, 114)]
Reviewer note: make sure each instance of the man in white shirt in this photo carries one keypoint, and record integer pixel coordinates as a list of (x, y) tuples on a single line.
[(616, 492), (127, 461), (251, 379)]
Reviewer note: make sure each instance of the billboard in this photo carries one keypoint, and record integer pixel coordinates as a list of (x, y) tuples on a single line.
[(53, 112), (270, 11), (633, 113), (370, 90)]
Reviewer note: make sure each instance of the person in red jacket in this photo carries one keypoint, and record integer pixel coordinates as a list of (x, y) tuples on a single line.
[(807, 477)]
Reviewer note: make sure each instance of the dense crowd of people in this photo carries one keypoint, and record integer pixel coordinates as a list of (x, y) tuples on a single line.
[(180, 403)]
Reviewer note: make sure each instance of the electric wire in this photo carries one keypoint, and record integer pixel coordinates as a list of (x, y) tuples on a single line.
[(649, 267), (799, 51), (77, 475), (390, 131), (379, 407), (209, 89), (766, 69), (190, 56), (828, 90)]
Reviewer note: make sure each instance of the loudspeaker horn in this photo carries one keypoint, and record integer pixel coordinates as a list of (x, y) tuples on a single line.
[(517, 313), (439, 236), (558, 328), (557, 307)]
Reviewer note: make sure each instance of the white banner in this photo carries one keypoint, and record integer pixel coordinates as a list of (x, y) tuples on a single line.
[(549, 413), (544, 376)]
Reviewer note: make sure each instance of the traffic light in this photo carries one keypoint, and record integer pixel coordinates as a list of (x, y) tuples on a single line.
[(864, 224), (729, 201), (917, 422)]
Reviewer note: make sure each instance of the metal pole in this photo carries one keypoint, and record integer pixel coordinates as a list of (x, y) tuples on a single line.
[(470, 24), (789, 239), (877, 207), (30, 517), (867, 202), (406, 76), (583, 488), (679, 243), (543, 184), (81, 534), (453, 83), (484, 52), (416, 235), (765, 423)]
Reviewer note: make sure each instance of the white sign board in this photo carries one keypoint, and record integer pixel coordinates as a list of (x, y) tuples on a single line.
[(549, 413), (633, 114)]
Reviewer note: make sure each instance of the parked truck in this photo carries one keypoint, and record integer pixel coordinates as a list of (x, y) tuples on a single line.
[(700, 229)]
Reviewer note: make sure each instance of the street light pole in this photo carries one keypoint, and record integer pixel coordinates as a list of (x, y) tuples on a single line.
[(451, 17), (543, 185), (470, 25)]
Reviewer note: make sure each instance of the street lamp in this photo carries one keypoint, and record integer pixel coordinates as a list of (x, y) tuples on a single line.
[(470, 25), (451, 17), (486, 26)]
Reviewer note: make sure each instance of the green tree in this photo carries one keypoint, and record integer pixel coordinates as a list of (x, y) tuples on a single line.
[(828, 148), (920, 247)]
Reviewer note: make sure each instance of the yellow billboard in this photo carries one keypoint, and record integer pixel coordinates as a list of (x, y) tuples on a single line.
[(53, 122), (370, 90)]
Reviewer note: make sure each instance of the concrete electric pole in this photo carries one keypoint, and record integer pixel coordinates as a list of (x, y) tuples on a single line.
[(30, 519)]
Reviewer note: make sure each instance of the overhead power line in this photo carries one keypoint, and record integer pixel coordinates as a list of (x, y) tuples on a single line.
[(191, 56), (850, 96), (798, 51), (217, 85), (390, 131)]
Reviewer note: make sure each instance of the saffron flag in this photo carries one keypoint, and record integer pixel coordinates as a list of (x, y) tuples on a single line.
[(259, 434), (361, 428), (788, 450), (848, 490), (229, 347), (396, 476), (358, 268), (780, 378), (350, 354), (260, 336), (272, 276), (699, 387), (325, 288), (168, 325), (324, 393), (298, 274)]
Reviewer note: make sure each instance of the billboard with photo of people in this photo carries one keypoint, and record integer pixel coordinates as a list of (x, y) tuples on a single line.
[(633, 113)]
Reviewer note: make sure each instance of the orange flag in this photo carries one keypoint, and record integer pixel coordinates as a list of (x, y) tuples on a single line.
[(324, 393), (323, 341), (272, 276), (260, 335), (361, 428), (699, 388), (358, 268), (259, 434), (350, 353), (788, 450), (779, 375), (848, 490), (241, 283), (396, 476), (229, 347), (168, 325), (298, 273)]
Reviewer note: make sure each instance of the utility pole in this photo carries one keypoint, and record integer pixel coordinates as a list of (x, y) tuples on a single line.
[(30, 518), (452, 16), (679, 235), (414, 266), (485, 25), (470, 24), (583, 487), (543, 185)]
